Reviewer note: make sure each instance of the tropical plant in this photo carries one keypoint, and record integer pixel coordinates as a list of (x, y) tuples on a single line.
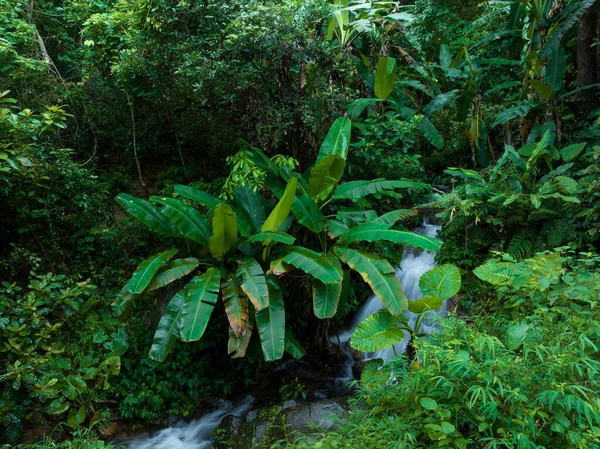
[(245, 250)]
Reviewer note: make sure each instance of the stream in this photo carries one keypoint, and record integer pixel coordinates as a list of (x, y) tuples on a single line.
[(197, 434)]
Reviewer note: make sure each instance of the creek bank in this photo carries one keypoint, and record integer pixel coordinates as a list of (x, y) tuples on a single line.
[(264, 427)]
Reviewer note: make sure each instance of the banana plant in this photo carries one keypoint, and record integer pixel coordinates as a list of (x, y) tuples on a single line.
[(237, 252), (382, 329)]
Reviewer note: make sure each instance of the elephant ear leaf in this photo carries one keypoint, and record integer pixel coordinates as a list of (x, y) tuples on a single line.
[(147, 214), (376, 332), (224, 230), (325, 175), (147, 269), (199, 303), (385, 76), (282, 209), (425, 304), (441, 282), (271, 324)]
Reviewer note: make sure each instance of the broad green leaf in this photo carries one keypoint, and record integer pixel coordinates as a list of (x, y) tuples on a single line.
[(385, 76), (376, 332), (396, 215), (188, 220), (540, 148), (572, 151), (335, 228), (374, 232), (521, 110), (307, 212), (77, 416), (282, 209), (279, 267), (279, 237), (147, 269), (442, 282), (167, 331), (251, 206), (58, 407), (517, 334), (224, 231), (253, 282), (337, 140), (356, 108), (325, 175), (359, 189), (236, 306), (292, 346), (147, 214), (200, 300), (191, 193), (445, 56), (555, 71), (425, 304), (428, 403), (326, 297), (496, 273), (380, 276), (271, 324), (403, 17), (430, 132), (544, 90), (123, 303), (72, 386), (237, 346), (440, 102), (566, 24), (314, 264), (172, 271)]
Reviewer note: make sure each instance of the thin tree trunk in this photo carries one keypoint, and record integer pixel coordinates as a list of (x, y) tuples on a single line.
[(42, 46), (135, 155), (587, 71)]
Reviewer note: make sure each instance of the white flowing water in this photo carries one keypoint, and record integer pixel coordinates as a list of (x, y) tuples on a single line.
[(414, 264), (193, 435)]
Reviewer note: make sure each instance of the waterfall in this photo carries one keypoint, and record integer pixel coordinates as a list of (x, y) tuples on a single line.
[(194, 435), (414, 264)]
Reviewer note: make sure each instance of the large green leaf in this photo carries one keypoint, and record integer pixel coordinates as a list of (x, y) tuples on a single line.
[(376, 332), (191, 193), (253, 282), (440, 102), (385, 76), (236, 306), (374, 232), (167, 331), (358, 106), (224, 232), (555, 72), (200, 301), (147, 214), (147, 269), (520, 110), (430, 132), (442, 282), (172, 271), (237, 346), (355, 190), (396, 215), (188, 220), (326, 297), (251, 205), (380, 276), (425, 304), (314, 264), (282, 209), (307, 212), (292, 346), (496, 273), (280, 237), (271, 324), (572, 151), (123, 303), (445, 56), (325, 175), (337, 140)]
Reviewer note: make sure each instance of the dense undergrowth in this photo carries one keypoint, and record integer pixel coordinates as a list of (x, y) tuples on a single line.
[(283, 150)]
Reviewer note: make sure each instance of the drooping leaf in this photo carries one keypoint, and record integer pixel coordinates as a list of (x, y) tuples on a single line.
[(194, 194), (380, 276), (356, 108), (236, 306), (425, 304), (314, 264), (359, 189), (271, 324), (442, 281), (373, 232), (123, 303), (292, 346), (172, 271), (572, 151), (325, 175), (253, 282), (147, 214), (553, 41), (335, 228), (251, 205), (337, 140), (188, 220), (167, 331), (224, 231), (402, 17), (544, 90), (445, 56), (326, 297), (396, 215), (555, 72), (385, 76), (200, 301), (237, 346), (282, 209), (520, 110), (307, 212), (376, 332), (147, 269), (440, 102), (280, 237), (430, 132)]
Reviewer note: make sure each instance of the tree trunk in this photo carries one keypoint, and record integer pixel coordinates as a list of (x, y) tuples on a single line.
[(587, 71)]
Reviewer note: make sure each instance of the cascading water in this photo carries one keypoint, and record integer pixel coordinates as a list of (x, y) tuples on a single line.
[(194, 435), (414, 264)]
